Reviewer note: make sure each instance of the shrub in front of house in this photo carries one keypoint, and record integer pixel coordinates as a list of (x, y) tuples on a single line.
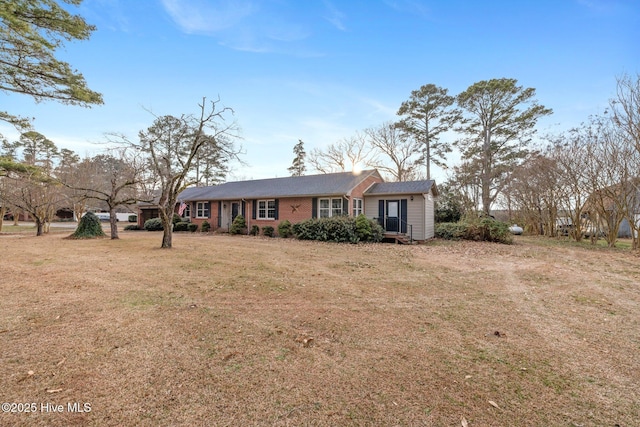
[(451, 230), (377, 232), (132, 227), (285, 229), (339, 229), (192, 227), (238, 226), (205, 226), (176, 219), (153, 224), (267, 231), (484, 229), (363, 227), (88, 228), (255, 230), (181, 226)]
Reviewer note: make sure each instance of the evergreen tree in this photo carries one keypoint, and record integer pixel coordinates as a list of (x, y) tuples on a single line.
[(297, 167), (500, 118)]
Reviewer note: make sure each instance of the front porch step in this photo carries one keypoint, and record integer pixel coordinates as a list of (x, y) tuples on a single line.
[(401, 239)]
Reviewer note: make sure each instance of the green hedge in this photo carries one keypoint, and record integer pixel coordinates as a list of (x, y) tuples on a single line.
[(181, 226), (341, 229), (153, 224), (285, 229), (267, 231), (479, 229), (238, 226)]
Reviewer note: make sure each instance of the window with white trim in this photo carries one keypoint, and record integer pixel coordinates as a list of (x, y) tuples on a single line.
[(336, 207), (329, 207), (187, 211), (267, 209), (202, 209), (357, 207)]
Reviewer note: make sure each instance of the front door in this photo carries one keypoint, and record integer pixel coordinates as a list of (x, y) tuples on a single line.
[(235, 209), (392, 222)]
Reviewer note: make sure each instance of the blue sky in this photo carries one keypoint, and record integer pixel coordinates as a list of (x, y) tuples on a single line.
[(321, 70)]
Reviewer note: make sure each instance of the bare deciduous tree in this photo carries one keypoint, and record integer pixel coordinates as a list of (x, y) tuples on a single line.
[(114, 179), (346, 154), (399, 151), (532, 191), (172, 144)]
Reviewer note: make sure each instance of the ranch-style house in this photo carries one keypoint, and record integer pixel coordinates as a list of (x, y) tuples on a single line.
[(404, 209)]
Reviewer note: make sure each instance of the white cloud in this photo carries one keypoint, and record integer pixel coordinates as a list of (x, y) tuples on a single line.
[(206, 17), (415, 7), (599, 6), (335, 17), (241, 25)]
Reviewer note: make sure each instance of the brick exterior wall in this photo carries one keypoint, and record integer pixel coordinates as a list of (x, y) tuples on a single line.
[(294, 209), (357, 192)]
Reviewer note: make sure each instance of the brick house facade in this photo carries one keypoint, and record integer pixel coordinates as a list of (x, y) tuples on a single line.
[(267, 202)]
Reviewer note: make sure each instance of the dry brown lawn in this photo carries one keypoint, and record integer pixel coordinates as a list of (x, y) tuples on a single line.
[(242, 331)]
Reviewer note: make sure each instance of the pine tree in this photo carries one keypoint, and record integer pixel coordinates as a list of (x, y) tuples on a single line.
[(297, 166)]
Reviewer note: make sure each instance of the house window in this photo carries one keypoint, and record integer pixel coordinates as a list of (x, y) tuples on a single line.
[(202, 209), (187, 211), (324, 211), (266, 209), (329, 207), (336, 207), (357, 207)]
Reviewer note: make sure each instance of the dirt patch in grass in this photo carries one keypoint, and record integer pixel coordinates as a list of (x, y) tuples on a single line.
[(228, 330)]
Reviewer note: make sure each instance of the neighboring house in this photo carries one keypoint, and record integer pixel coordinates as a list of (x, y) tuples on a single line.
[(605, 207), (408, 206)]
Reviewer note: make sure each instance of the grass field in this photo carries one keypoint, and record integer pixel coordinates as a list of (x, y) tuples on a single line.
[(232, 331)]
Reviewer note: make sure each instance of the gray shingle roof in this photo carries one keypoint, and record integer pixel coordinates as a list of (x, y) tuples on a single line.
[(407, 187), (332, 184)]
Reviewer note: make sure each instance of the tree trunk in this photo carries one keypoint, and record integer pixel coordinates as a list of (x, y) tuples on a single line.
[(485, 178), (167, 237), (167, 225), (113, 222), (3, 210), (38, 227)]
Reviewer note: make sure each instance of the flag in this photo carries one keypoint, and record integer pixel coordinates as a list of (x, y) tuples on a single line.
[(182, 207)]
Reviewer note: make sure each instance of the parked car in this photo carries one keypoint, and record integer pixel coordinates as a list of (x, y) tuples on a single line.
[(104, 216), (516, 229)]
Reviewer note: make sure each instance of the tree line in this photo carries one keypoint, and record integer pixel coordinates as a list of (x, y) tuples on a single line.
[(38, 178), (588, 172), (583, 181), (493, 120)]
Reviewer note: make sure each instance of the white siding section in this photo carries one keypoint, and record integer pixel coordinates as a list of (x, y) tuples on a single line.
[(415, 216), (420, 213), (429, 208), (371, 207)]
